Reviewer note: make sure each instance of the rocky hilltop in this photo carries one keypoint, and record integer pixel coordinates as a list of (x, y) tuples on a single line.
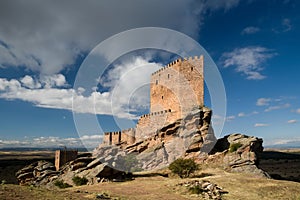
[(190, 137), (184, 137)]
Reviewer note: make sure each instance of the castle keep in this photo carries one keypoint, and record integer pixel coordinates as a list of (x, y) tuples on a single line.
[(174, 91)]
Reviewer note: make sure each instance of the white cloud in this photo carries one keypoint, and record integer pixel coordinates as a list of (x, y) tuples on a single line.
[(56, 80), (292, 121), (28, 81), (261, 125), (284, 141), (128, 91), (248, 60), (26, 39), (241, 114), (250, 30), (91, 137), (277, 107), (284, 26), (298, 111), (263, 101), (286, 23), (230, 118), (218, 119), (91, 141)]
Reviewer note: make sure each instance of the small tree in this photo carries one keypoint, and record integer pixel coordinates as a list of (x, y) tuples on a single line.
[(183, 167), (61, 184), (79, 181)]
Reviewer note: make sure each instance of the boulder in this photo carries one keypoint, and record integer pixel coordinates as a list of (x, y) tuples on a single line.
[(237, 153), (36, 173)]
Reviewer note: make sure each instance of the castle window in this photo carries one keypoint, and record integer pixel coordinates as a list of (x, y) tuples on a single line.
[(192, 68), (156, 82), (168, 76), (162, 97)]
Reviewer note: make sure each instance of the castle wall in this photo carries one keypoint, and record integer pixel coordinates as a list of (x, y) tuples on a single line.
[(148, 125), (118, 137), (179, 86), (64, 156)]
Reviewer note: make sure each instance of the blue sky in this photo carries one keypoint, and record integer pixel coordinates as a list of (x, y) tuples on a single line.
[(255, 45)]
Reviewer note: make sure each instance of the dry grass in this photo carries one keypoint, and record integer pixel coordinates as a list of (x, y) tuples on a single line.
[(238, 186)]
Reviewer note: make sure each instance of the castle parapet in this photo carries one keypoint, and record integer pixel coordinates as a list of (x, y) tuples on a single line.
[(118, 137)]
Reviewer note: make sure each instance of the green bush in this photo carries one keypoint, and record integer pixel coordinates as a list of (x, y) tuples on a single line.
[(61, 184), (79, 181), (234, 147), (196, 189), (183, 167)]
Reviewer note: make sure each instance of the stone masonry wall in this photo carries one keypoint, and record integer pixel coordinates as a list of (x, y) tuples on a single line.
[(119, 137), (64, 156), (148, 124), (179, 86)]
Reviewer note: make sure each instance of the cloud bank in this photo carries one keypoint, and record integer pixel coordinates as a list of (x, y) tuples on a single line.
[(47, 37), (124, 94)]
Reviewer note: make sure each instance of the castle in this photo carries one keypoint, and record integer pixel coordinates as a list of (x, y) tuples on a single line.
[(174, 91)]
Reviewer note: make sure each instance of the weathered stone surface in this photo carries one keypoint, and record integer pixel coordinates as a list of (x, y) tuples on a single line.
[(184, 137), (37, 173), (204, 188), (242, 159)]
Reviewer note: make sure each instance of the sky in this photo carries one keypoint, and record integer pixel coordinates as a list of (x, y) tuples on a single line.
[(255, 45)]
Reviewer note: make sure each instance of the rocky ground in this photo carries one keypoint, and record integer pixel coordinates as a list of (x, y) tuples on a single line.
[(150, 186)]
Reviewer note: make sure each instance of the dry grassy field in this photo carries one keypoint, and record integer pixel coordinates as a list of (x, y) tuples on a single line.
[(282, 164), (238, 186), (147, 186)]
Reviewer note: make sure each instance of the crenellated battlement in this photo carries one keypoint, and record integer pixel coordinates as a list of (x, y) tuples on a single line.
[(156, 113), (178, 61), (118, 137)]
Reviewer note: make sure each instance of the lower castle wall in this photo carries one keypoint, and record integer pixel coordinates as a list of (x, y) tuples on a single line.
[(118, 137), (64, 156), (148, 124)]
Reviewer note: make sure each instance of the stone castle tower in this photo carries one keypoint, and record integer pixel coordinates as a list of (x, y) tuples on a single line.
[(178, 87), (174, 91)]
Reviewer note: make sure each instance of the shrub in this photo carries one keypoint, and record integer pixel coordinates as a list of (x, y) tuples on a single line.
[(61, 184), (234, 147), (79, 181), (183, 167), (196, 189)]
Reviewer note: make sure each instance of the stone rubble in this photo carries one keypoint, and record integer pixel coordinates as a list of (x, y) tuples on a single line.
[(204, 188)]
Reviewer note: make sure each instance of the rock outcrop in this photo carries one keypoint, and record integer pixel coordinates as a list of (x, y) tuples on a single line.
[(38, 173), (44, 173), (183, 137), (237, 153)]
